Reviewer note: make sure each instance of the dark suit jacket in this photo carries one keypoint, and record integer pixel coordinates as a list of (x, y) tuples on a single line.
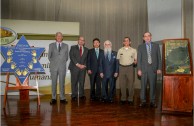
[(108, 68), (93, 62), (142, 57), (75, 57)]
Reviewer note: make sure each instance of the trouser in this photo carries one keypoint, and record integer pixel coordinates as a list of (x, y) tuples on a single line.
[(108, 95), (126, 81), (77, 77), (54, 77), (148, 76), (95, 85)]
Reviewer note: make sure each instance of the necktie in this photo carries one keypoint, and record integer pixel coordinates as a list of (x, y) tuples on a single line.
[(80, 50), (108, 56), (97, 53), (59, 47), (149, 54)]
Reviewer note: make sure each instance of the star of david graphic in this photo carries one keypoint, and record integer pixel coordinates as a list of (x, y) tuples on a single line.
[(21, 59)]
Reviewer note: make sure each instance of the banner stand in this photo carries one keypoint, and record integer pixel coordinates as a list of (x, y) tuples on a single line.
[(24, 89)]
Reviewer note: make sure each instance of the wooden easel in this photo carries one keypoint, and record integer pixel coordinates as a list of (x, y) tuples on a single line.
[(24, 89)]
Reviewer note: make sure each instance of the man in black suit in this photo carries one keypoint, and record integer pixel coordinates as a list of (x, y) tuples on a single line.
[(109, 68), (78, 56), (93, 70), (148, 65)]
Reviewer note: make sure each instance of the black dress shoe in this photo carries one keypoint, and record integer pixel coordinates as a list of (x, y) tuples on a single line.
[(83, 97), (103, 100), (97, 99), (122, 102), (142, 105), (53, 101), (73, 98), (130, 102), (153, 105), (63, 101), (111, 101), (92, 99)]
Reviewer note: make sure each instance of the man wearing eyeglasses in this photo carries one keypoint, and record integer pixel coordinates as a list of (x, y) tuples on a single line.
[(148, 65)]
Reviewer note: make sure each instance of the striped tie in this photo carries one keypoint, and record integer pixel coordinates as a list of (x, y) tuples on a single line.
[(149, 54)]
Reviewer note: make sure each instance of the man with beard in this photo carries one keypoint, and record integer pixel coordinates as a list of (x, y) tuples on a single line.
[(108, 69)]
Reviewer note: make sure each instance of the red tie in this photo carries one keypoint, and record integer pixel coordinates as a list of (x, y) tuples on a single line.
[(80, 50)]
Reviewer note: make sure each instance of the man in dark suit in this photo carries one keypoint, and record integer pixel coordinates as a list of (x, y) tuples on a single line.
[(58, 56), (109, 67), (78, 56), (93, 70), (148, 65)]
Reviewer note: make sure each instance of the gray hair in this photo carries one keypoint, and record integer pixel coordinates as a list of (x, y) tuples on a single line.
[(58, 33), (108, 41)]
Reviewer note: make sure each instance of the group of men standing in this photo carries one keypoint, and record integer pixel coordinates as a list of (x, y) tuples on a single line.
[(103, 67)]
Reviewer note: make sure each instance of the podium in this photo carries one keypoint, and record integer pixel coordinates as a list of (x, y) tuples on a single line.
[(23, 89), (177, 77)]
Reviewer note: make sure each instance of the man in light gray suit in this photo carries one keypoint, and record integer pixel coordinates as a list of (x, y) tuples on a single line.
[(148, 65), (78, 56), (58, 56)]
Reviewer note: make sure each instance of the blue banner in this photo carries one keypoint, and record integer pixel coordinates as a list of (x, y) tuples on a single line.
[(21, 59)]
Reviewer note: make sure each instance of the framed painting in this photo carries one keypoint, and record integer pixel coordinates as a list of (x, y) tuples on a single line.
[(177, 57)]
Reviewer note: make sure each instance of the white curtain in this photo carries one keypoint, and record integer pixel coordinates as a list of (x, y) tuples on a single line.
[(105, 19)]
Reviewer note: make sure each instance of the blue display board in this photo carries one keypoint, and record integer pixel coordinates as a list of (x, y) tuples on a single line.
[(21, 59)]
